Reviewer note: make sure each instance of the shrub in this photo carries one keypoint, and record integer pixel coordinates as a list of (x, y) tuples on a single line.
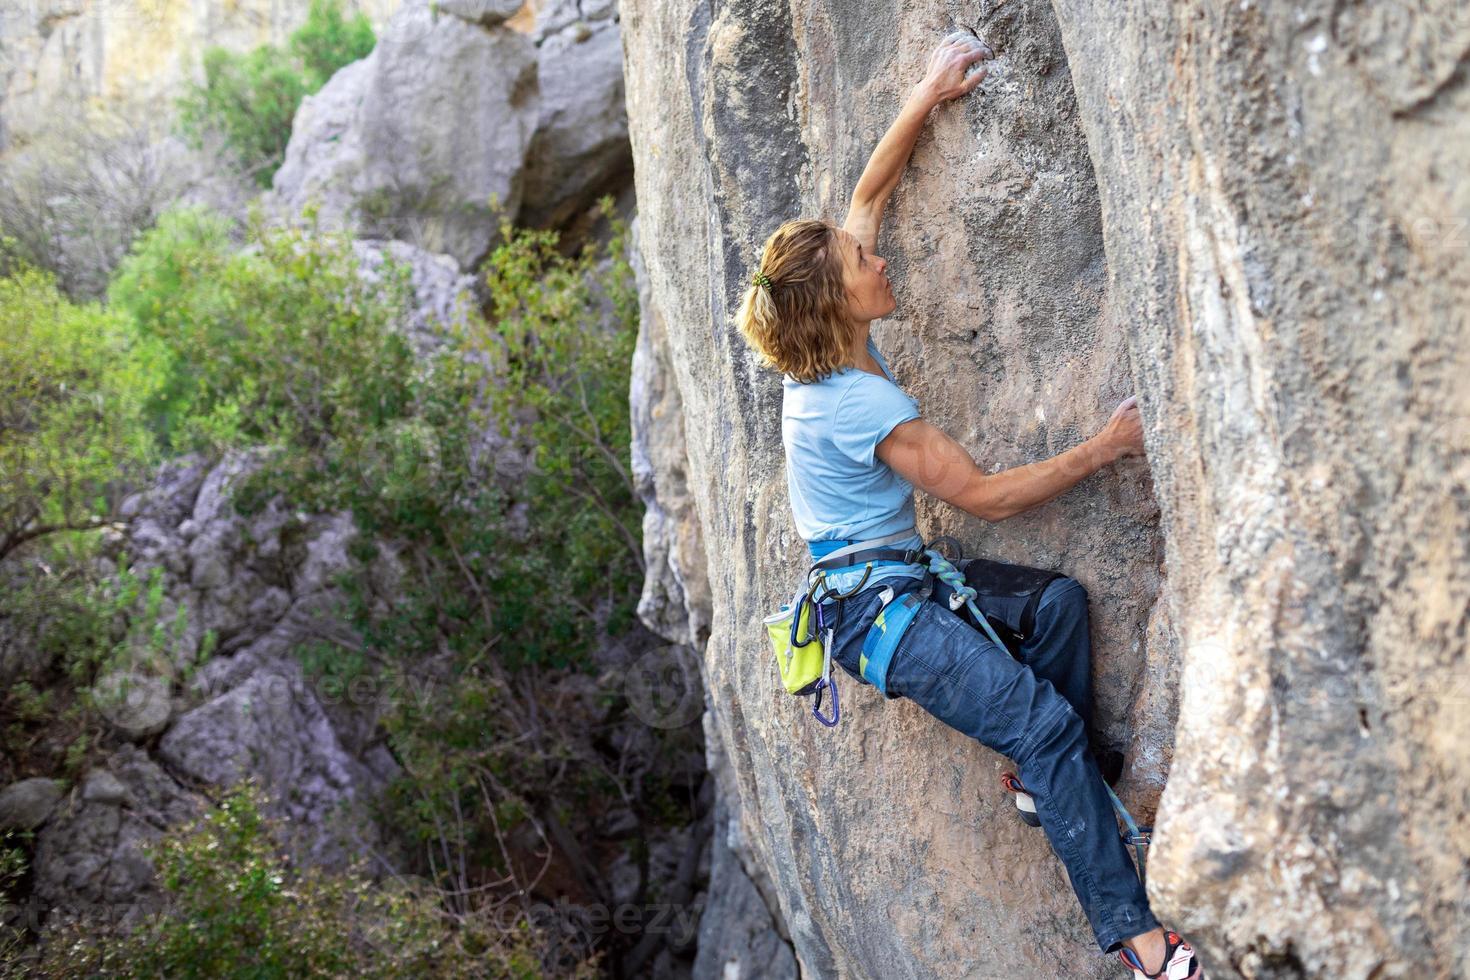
[(73, 385), (327, 41), (280, 344), (74, 198), (252, 98), (234, 906)]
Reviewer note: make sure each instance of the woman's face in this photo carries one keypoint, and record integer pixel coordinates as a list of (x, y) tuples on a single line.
[(869, 294)]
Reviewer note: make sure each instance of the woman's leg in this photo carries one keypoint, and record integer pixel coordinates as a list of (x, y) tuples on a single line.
[(956, 674), (1059, 649)]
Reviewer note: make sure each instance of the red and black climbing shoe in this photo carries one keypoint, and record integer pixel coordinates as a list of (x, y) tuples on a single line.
[(1025, 803), (1180, 963)]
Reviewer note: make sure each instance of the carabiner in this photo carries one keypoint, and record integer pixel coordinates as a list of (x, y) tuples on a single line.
[(831, 593)]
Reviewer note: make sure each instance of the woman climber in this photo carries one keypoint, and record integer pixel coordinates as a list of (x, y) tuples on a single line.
[(856, 448)]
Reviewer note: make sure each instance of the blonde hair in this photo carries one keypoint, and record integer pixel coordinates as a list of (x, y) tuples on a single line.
[(795, 313)]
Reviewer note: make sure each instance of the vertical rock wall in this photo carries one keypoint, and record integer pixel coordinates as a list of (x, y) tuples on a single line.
[(892, 849), (1288, 223), (1272, 251)]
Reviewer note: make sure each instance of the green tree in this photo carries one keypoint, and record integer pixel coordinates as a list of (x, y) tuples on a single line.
[(562, 331), (252, 98), (73, 385), (327, 41), (279, 344)]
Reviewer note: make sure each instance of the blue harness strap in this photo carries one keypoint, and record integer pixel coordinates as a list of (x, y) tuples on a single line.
[(889, 626)]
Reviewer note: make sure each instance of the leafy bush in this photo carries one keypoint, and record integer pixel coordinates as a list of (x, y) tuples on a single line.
[(504, 588), (327, 41), (252, 98), (564, 331), (280, 344), (73, 385)]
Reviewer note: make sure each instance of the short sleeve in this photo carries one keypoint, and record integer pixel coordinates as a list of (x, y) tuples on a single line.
[(866, 413)]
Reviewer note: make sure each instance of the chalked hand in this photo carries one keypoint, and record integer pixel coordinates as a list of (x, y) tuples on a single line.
[(954, 66)]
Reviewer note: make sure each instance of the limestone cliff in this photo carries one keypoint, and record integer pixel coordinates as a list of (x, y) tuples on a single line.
[(1251, 215)]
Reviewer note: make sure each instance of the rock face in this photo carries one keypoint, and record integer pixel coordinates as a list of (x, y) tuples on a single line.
[(580, 149), (88, 857), (1286, 237), (261, 586), (675, 600), (1196, 205)]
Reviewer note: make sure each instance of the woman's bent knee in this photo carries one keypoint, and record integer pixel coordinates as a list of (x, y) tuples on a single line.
[(1062, 731)]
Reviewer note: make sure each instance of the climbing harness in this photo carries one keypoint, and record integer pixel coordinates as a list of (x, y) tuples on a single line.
[(1012, 593)]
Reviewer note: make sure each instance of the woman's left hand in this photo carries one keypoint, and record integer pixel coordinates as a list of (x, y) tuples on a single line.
[(945, 78)]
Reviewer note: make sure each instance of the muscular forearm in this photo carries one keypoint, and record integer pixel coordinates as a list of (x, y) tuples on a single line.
[(996, 496), (886, 165)]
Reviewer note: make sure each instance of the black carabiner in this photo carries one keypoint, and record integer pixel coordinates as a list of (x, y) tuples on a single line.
[(796, 639), (831, 593)]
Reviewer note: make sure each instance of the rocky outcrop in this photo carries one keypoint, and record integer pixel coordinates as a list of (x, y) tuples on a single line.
[(580, 149), (675, 600), (260, 586), (414, 140), (456, 107), (1286, 240), (26, 803), (753, 116), (1198, 205), (89, 859)]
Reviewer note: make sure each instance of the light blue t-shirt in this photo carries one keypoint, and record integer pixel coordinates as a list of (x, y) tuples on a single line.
[(839, 489)]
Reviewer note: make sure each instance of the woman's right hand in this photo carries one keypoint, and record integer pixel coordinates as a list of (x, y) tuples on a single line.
[(1124, 432), (945, 78)]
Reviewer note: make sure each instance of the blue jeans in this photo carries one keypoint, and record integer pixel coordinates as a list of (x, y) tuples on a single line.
[(1037, 713)]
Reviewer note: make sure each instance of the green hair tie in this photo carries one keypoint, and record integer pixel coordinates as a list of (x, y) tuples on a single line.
[(761, 279)]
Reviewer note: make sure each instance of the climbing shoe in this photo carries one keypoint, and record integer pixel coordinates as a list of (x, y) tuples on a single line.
[(1180, 963), (1109, 763), (1025, 803)]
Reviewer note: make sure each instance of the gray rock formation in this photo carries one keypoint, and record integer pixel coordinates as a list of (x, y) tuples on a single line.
[(60, 55), (455, 107), (271, 727), (740, 931), (88, 859), (580, 149), (675, 600), (413, 141), (26, 803), (1267, 180), (261, 585), (1287, 242), (1029, 364)]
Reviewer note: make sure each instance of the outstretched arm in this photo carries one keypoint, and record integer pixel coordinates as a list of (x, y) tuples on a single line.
[(935, 463), (944, 80)]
